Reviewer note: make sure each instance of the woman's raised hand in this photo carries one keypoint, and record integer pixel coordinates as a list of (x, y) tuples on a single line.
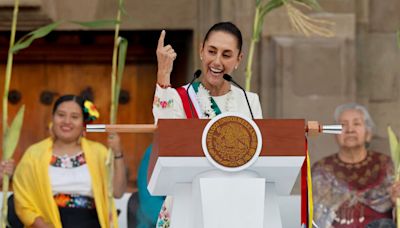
[(114, 142), (165, 59), (7, 167)]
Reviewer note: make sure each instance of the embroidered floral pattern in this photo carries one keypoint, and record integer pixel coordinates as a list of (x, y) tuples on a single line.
[(68, 162), (74, 201), (163, 218), (162, 104)]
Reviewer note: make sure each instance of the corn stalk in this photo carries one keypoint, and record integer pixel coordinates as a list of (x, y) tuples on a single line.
[(10, 134), (395, 154), (301, 22), (117, 69), (261, 11)]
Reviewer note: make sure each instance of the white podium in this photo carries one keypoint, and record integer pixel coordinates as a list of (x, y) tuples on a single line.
[(204, 196)]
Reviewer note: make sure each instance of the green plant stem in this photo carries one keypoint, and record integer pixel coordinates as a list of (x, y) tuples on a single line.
[(249, 64), (9, 68), (5, 110), (253, 41), (113, 109), (113, 114), (397, 178)]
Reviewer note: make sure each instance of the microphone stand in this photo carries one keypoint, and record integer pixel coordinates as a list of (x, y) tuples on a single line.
[(196, 75), (230, 79)]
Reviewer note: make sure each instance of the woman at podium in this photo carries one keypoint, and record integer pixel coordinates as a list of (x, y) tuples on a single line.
[(220, 54), (351, 187)]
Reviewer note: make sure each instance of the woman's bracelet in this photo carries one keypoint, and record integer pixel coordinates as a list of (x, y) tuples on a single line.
[(119, 156)]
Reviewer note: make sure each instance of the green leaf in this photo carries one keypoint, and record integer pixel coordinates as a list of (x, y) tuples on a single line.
[(12, 134), (97, 23), (27, 40), (122, 50), (394, 147), (273, 4), (312, 3), (398, 38), (264, 10)]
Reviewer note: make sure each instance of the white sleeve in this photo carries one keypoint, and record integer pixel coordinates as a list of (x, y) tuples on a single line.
[(167, 104)]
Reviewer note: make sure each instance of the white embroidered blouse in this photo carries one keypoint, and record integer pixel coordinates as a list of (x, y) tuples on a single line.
[(168, 105)]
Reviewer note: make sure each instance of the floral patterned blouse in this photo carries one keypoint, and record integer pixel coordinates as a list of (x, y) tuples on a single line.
[(70, 181)]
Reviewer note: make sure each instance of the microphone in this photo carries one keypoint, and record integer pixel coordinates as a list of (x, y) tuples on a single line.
[(230, 79), (195, 76)]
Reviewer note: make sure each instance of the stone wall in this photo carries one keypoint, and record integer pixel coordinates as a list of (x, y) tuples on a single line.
[(296, 77)]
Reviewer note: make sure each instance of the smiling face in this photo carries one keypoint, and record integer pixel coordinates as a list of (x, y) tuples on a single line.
[(355, 133), (68, 122), (220, 55)]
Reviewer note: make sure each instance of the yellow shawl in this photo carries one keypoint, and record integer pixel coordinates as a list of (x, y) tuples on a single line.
[(31, 183)]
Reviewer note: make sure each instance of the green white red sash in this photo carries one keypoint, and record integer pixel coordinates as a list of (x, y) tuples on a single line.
[(197, 112)]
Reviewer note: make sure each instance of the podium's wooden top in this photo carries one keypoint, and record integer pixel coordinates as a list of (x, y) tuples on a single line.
[(182, 138)]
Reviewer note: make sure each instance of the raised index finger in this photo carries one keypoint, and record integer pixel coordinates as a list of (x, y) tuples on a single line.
[(161, 39)]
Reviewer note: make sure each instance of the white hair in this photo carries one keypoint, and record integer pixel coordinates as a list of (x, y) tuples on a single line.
[(369, 123)]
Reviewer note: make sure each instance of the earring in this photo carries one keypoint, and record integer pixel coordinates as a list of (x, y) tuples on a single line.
[(236, 67), (201, 58)]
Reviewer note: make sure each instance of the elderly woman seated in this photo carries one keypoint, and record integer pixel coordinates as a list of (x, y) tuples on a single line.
[(351, 187)]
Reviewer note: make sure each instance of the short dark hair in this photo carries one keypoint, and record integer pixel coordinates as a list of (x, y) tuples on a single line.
[(69, 97), (227, 27)]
